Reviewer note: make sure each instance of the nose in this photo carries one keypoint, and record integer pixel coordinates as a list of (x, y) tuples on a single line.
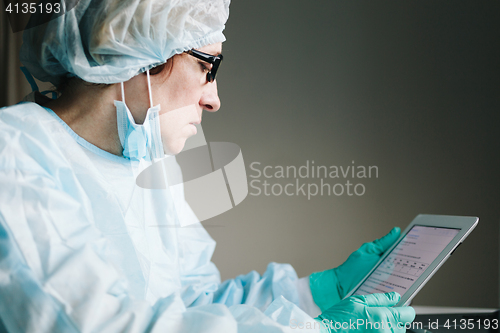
[(210, 99)]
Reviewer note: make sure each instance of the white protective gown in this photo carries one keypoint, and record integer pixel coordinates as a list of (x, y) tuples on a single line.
[(83, 249)]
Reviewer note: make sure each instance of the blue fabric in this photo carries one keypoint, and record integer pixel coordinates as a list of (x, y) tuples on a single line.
[(82, 248), (139, 141)]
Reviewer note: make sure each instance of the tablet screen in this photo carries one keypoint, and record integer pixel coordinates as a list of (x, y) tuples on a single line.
[(408, 260)]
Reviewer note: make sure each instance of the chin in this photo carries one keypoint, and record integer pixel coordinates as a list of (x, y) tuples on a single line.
[(174, 148)]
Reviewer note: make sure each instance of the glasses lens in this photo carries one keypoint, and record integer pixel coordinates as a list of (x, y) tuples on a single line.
[(214, 60), (215, 67)]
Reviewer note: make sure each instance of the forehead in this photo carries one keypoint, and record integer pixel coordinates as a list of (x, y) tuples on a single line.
[(213, 49)]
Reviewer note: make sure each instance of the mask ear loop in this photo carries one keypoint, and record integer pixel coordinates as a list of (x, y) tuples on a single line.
[(150, 152), (149, 90), (123, 93), (151, 105)]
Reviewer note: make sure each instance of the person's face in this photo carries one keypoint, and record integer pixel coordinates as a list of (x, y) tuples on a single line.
[(182, 91)]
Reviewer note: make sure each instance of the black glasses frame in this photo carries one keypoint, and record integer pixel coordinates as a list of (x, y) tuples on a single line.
[(211, 59)]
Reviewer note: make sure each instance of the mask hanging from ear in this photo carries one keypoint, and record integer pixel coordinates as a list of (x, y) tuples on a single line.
[(140, 142)]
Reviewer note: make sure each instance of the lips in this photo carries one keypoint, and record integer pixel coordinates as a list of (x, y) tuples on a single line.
[(197, 122)]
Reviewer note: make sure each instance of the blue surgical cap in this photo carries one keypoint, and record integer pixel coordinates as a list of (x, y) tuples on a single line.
[(111, 41)]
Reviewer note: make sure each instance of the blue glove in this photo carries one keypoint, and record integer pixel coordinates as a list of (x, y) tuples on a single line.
[(368, 313), (331, 286)]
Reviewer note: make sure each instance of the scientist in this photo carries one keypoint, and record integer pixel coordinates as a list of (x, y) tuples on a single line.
[(82, 248)]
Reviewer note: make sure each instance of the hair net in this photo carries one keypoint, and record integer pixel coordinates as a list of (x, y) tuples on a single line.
[(110, 41)]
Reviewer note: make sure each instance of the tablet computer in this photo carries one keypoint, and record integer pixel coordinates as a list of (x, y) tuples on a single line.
[(417, 254)]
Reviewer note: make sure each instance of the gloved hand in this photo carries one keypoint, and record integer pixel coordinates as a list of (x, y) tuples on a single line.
[(331, 286), (369, 313)]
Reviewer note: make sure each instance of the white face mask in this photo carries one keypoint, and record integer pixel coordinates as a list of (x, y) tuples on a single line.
[(140, 142)]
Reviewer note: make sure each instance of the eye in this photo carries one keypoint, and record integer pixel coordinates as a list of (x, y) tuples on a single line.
[(204, 67)]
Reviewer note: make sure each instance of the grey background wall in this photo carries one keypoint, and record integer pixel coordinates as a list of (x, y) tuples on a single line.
[(411, 87)]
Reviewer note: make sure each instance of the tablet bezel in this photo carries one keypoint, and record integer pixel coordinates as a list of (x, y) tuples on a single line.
[(465, 223)]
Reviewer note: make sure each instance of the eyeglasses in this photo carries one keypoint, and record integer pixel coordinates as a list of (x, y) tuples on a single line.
[(211, 59)]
